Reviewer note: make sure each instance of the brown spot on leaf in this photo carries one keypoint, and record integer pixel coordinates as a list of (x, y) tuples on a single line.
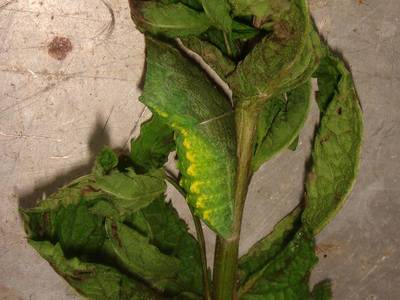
[(282, 30), (324, 139), (114, 232), (311, 177), (81, 275), (45, 224), (339, 111), (87, 190), (59, 47)]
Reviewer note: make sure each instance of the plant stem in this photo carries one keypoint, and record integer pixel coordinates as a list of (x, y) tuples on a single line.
[(199, 233), (226, 251), (258, 21), (227, 45)]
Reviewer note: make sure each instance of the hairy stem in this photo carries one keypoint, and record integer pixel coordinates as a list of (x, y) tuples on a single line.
[(199, 233), (226, 251)]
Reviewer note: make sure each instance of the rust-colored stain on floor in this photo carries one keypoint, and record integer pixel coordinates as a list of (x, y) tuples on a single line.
[(59, 47)]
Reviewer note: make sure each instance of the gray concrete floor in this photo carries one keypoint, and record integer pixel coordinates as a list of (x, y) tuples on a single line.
[(59, 107)]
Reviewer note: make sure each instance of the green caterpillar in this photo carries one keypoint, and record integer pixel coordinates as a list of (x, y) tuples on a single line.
[(202, 118)]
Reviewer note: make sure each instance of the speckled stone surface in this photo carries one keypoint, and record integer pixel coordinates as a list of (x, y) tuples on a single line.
[(69, 84)]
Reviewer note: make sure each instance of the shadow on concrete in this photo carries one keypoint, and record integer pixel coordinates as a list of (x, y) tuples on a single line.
[(99, 138)]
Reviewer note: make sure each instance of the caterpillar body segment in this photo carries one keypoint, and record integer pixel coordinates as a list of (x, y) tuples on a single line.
[(207, 176)]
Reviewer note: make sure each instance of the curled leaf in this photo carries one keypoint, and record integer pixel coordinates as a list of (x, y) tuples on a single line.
[(211, 54), (93, 280), (134, 252), (265, 250), (219, 13), (287, 275), (280, 122), (151, 149), (171, 20), (257, 8), (277, 61), (336, 150)]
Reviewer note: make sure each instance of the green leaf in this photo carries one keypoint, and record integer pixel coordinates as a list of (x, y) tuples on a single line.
[(164, 254), (212, 55), (266, 249), (170, 20), (229, 45), (106, 160), (74, 226), (135, 254), (257, 8), (117, 224), (336, 150), (280, 122), (71, 193), (191, 3), (201, 115), (218, 12), (277, 62), (243, 32), (293, 146), (151, 149), (287, 275), (160, 222), (322, 291), (128, 191), (224, 42), (78, 230), (93, 280)]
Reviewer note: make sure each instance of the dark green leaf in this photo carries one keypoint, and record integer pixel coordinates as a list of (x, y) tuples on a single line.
[(322, 291), (219, 13), (277, 62), (257, 8), (78, 230), (180, 92), (293, 146), (85, 219), (224, 42), (267, 248), (212, 55), (106, 160), (161, 223), (280, 122), (128, 191), (73, 226), (336, 148), (93, 280), (243, 32), (217, 49), (134, 253), (286, 276), (71, 193), (171, 20), (191, 3), (151, 149)]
